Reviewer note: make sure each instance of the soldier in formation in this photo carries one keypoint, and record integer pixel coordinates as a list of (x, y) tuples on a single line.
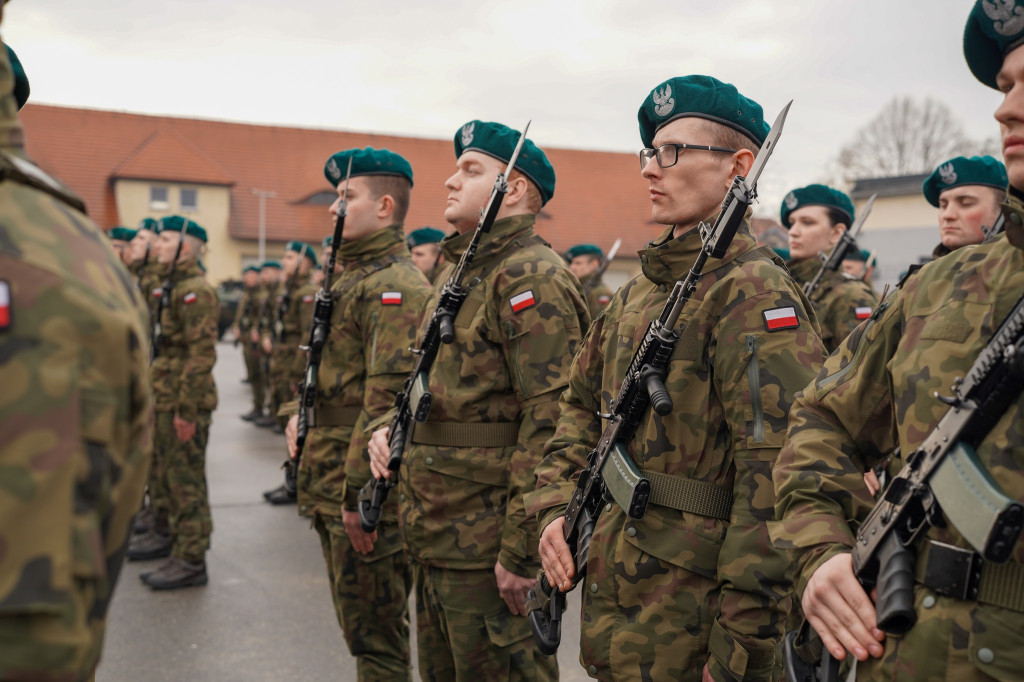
[(425, 247), (245, 320), (74, 454), (120, 241), (968, 194), (270, 283), (584, 261), (816, 216)]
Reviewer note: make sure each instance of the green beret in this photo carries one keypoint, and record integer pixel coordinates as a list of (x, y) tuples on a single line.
[(584, 250), (994, 29), (123, 234), (177, 223), (816, 195), (270, 264), (328, 240), (251, 268), (977, 170), (303, 250), (782, 253), (368, 161), (150, 224), (860, 255), (499, 141), (21, 88), (701, 97), (424, 235)]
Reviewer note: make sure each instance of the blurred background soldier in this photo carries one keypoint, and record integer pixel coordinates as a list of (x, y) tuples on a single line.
[(74, 451), (584, 261), (245, 321), (120, 241), (425, 247), (270, 283)]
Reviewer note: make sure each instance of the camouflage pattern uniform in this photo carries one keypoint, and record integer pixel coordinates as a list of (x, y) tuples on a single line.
[(183, 386), (598, 294), (364, 363), (245, 321), (268, 303), (840, 302), (877, 390), (675, 590), (294, 316), (75, 418), (461, 503)]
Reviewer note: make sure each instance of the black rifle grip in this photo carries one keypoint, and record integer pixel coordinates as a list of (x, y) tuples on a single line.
[(444, 323), (547, 624), (895, 604), (661, 401), (371, 501)]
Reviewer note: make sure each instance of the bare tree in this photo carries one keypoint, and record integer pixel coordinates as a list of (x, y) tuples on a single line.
[(906, 137)]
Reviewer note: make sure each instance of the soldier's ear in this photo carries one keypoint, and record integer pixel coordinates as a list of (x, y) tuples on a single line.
[(385, 206), (518, 186)]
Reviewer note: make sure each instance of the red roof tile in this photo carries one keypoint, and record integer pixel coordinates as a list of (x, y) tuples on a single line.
[(599, 196)]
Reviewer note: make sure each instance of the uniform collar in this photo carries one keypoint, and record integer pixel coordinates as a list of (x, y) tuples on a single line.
[(502, 234), (805, 269), (667, 260), (186, 271), (1013, 211), (383, 242)]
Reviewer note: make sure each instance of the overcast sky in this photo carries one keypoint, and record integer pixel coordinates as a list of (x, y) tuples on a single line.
[(578, 69)]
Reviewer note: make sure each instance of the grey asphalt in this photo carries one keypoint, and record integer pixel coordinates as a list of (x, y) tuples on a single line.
[(266, 613)]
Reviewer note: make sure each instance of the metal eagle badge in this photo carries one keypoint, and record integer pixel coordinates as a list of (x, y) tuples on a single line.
[(467, 134), (663, 101), (947, 173), (1007, 18)]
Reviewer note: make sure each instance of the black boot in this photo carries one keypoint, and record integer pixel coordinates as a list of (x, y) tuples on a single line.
[(251, 414), (265, 420), (151, 545), (178, 573), (144, 521)]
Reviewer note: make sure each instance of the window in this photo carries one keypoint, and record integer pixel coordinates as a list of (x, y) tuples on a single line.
[(158, 198), (189, 199)]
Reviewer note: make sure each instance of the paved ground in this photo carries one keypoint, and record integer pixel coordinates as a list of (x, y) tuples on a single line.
[(267, 613)]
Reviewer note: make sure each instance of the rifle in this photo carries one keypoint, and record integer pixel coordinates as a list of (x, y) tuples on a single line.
[(415, 398), (602, 266), (611, 474), (847, 240), (997, 228), (319, 330), (165, 298), (942, 481)]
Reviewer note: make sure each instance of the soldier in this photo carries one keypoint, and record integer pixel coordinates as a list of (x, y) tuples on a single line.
[(584, 260), (270, 282), (245, 320), (968, 193), (883, 387), (816, 216), (860, 265), (120, 241), (425, 246), (692, 588), (495, 402), (185, 395), (75, 414), (364, 362)]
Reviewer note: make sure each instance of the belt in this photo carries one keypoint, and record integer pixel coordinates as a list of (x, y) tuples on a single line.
[(964, 574), (460, 435), (330, 415), (689, 495)]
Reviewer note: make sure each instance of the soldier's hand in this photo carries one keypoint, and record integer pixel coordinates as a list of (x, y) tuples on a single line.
[(513, 589), (871, 481), (361, 542), (184, 429), (380, 453), (291, 436), (254, 336), (841, 612), (555, 556), (705, 675), (267, 346)]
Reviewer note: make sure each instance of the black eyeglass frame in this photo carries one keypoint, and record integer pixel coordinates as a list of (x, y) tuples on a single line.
[(649, 153)]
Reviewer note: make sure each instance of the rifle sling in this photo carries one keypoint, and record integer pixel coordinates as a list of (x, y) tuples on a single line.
[(689, 495), (332, 415), (964, 574), (462, 435)]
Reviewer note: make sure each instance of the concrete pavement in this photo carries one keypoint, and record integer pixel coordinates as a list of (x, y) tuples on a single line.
[(267, 612)]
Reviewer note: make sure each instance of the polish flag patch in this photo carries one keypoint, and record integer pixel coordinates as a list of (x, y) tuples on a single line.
[(862, 312), (308, 299), (391, 298), (604, 300), (157, 293), (778, 319), (5, 305), (522, 301), (190, 298)]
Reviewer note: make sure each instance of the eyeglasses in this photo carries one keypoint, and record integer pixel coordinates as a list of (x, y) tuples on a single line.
[(668, 154)]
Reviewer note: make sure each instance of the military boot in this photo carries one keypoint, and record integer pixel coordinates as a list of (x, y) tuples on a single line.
[(144, 521), (150, 545), (177, 573), (251, 415), (265, 420)]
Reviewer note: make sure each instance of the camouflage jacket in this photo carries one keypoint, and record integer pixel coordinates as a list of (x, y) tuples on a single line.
[(378, 298), (597, 292), (747, 345), (840, 302), (183, 369), (248, 313), (462, 505), (149, 278), (293, 317), (268, 309), (75, 417), (879, 390)]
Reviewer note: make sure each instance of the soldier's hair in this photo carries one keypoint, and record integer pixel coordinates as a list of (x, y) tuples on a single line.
[(532, 201), (999, 195), (835, 217), (195, 245), (730, 138), (394, 186)]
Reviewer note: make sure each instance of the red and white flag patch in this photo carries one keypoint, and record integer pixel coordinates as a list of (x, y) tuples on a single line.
[(862, 312), (604, 300), (778, 319), (308, 299), (190, 298), (391, 298), (522, 301), (157, 293), (5, 305)]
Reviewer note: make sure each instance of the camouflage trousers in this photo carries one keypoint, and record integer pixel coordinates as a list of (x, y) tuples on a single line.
[(254, 372), (465, 632), (185, 481), (371, 599), (164, 441), (284, 384)]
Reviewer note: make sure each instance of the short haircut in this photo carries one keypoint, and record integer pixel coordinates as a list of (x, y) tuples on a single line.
[(835, 216), (195, 245), (394, 186), (730, 138), (533, 201), (999, 195)]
